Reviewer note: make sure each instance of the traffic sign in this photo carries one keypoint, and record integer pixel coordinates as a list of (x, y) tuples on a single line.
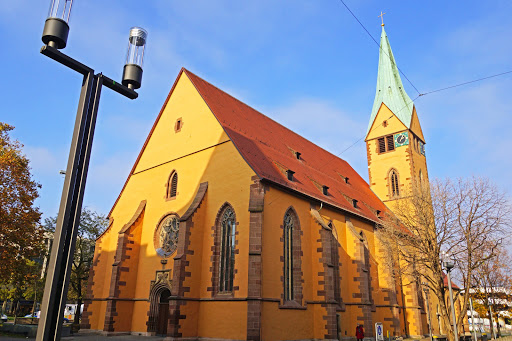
[(379, 332)]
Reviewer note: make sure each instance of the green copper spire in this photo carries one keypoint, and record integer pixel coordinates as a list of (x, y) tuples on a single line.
[(390, 89)]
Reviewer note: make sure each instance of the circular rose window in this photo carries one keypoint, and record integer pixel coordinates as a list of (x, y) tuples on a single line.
[(166, 236)]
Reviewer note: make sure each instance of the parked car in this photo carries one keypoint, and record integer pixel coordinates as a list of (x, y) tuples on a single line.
[(3, 318)]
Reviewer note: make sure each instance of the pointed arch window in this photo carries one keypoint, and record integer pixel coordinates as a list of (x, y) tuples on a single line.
[(292, 278), (393, 181), (227, 250), (172, 185), (288, 256)]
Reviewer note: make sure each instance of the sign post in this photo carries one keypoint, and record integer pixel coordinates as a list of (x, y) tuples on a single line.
[(379, 332)]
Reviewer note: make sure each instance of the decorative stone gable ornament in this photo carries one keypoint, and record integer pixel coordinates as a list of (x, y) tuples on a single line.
[(166, 236)]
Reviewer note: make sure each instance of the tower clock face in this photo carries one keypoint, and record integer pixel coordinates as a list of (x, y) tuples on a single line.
[(401, 139)]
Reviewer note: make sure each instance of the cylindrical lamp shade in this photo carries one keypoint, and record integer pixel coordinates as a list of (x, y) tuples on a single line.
[(132, 73), (60, 9), (56, 27)]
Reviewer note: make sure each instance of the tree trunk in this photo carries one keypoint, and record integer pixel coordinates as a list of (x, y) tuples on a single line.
[(77, 311), (491, 323), (498, 325)]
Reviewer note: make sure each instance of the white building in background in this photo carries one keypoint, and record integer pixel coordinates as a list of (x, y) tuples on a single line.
[(482, 323)]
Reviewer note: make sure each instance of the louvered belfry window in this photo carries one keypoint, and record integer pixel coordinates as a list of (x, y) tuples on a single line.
[(288, 257), (227, 250), (173, 186), (390, 142), (395, 189), (386, 144), (382, 145)]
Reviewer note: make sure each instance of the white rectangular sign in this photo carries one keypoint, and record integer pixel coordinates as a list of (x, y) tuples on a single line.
[(379, 332)]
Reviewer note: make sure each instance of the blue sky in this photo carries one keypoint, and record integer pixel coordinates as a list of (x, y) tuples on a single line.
[(307, 64)]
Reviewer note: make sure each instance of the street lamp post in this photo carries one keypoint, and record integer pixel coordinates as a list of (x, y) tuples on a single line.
[(448, 265), (55, 36), (425, 289)]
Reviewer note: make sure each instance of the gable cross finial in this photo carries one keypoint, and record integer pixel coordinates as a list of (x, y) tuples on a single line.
[(382, 17)]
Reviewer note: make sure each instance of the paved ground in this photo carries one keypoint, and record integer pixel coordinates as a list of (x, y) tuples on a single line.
[(91, 337)]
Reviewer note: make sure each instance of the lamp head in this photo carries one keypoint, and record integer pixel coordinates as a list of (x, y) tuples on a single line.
[(56, 27), (447, 261), (132, 73)]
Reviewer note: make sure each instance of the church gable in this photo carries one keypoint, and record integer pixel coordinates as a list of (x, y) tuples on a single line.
[(385, 123), (415, 126), (184, 126)]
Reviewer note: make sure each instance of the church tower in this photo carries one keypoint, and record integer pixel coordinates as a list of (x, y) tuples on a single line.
[(395, 147), (394, 141)]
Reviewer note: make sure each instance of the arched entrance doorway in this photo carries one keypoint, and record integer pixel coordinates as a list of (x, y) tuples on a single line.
[(163, 312), (159, 294)]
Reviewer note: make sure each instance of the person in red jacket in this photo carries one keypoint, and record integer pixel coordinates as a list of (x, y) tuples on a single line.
[(359, 332)]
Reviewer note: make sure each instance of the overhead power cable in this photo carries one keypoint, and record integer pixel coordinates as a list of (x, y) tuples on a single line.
[(465, 83), (378, 44)]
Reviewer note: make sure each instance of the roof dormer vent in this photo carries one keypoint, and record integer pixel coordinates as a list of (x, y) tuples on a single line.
[(354, 203), (325, 190), (289, 174), (346, 179), (297, 155)]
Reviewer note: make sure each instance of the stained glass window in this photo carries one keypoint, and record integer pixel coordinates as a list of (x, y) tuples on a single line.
[(168, 235), (288, 256), (227, 250), (395, 189)]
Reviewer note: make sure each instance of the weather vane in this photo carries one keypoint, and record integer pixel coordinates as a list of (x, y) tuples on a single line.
[(382, 17)]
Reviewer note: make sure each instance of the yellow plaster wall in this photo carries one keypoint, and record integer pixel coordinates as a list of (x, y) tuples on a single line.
[(199, 130), (279, 323), (200, 152), (415, 125), (394, 125)]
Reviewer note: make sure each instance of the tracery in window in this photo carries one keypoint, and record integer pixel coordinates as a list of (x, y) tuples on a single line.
[(288, 226), (166, 238), (393, 180), (227, 250)]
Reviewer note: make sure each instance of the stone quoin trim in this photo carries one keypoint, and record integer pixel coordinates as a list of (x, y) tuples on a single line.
[(180, 273), (254, 294), (215, 255), (124, 239), (391, 298), (363, 280), (328, 277), (89, 295)]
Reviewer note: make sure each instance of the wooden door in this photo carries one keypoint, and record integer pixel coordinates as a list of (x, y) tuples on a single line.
[(163, 313)]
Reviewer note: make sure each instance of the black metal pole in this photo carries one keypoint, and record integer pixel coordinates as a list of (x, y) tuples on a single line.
[(61, 258), (68, 220)]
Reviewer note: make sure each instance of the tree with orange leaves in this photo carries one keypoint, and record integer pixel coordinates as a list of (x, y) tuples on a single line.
[(20, 231)]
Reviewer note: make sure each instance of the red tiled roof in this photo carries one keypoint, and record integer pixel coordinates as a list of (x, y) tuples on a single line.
[(445, 281), (268, 147)]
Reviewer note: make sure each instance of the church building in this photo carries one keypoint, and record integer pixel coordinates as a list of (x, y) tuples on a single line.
[(232, 227)]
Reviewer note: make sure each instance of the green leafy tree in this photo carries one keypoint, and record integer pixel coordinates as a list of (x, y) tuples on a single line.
[(91, 227)]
